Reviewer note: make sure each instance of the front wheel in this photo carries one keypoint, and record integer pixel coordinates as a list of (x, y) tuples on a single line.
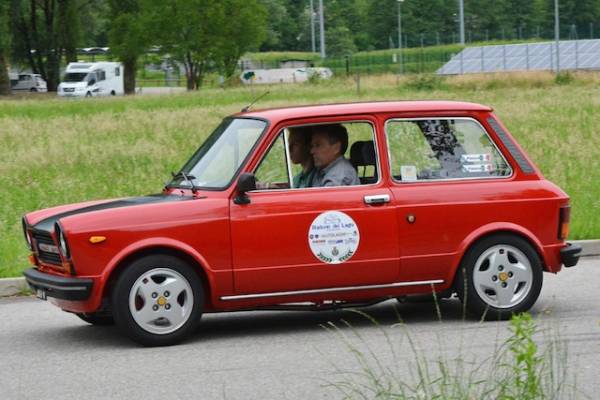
[(499, 276), (157, 300)]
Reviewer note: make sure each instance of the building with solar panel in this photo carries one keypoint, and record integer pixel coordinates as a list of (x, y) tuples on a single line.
[(572, 55)]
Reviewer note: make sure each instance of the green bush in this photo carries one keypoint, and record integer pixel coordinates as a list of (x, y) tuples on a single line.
[(564, 78), (425, 82)]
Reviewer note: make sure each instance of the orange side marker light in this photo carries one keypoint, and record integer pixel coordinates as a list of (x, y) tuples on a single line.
[(97, 239)]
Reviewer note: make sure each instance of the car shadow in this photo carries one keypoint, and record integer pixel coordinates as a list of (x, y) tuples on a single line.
[(234, 325), (258, 323), (81, 336)]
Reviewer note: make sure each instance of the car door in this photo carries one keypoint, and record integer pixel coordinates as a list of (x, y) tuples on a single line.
[(445, 171), (289, 239)]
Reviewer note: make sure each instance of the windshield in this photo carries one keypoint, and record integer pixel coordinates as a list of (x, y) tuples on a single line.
[(219, 158), (75, 77)]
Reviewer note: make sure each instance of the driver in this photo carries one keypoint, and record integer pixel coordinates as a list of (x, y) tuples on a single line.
[(328, 145)]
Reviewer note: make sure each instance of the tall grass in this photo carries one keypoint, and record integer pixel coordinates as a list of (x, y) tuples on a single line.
[(56, 151), (516, 368)]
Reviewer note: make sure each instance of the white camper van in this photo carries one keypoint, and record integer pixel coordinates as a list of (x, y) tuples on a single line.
[(28, 82), (83, 79)]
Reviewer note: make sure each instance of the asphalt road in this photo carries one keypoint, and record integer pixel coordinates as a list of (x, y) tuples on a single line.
[(49, 354)]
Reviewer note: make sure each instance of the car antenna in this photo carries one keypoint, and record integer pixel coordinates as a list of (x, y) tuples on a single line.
[(255, 100)]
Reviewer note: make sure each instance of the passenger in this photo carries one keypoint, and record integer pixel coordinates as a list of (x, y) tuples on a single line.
[(299, 143), (328, 145)]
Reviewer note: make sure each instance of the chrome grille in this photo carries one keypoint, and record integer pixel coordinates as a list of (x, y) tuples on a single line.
[(44, 256)]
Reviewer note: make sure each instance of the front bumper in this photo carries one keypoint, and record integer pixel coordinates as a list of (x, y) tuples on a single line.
[(59, 287), (569, 255)]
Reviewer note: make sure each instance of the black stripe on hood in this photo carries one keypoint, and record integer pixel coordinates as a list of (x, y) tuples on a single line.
[(48, 223)]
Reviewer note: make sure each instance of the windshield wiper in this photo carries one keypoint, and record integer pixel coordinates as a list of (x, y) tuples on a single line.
[(188, 178)]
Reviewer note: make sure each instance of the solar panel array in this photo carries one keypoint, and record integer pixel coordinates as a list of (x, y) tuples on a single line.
[(574, 54)]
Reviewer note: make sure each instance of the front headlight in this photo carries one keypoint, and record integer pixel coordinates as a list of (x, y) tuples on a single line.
[(62, 241), (27, 237)]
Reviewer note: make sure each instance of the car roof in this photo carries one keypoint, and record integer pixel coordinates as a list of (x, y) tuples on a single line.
[(324, 110)]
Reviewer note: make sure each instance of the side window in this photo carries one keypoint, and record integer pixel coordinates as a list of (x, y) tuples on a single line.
[(340, 154), (442, 149), (361, 151), (117, 71), (272, 172), (100, 75)]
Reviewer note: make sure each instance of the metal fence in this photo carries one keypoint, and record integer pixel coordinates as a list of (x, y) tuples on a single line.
[(424, 60)]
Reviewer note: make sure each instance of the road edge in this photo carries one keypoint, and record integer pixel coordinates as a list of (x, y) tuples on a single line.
[(16, 286)]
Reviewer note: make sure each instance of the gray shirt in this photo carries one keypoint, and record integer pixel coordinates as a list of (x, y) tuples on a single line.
[(339, 173)]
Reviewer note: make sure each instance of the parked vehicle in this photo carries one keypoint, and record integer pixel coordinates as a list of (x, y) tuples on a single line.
[(92, 79), (283, 75), (445, 201), (28, 82)]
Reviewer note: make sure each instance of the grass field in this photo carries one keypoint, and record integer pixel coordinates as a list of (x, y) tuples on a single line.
[(56, 151)]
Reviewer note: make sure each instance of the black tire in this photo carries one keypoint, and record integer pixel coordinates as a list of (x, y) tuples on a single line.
[(123, 314), (96, 318), (88, 94), (113, 93), (524, 295), (33, 90)]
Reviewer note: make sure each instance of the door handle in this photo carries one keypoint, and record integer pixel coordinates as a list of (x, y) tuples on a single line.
[(377, 199)]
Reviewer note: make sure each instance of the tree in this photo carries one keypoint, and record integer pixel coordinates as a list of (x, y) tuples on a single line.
[(244, 31), (68, 28), (187, 30), (127, 38), (340, 42), (4, 47), (278, 20), (42, 31), (203, 34)]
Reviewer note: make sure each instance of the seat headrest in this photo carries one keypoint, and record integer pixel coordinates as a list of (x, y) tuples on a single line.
[(362, 153)]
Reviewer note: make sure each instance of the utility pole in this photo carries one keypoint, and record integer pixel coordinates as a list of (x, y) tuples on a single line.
[(322, 28), (312, 27), (400, 36), (557, 35), (461, 17)]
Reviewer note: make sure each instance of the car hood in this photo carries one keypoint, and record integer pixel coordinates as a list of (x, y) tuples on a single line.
[(47, 222)]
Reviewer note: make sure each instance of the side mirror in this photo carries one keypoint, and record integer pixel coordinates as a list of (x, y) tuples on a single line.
[(246, 183)]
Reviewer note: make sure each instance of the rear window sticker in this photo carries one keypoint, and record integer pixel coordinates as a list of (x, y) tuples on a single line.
[(478, 168), (475, 158), (408, 173)]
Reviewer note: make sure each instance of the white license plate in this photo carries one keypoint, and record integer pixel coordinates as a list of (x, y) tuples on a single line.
[(40, 294)]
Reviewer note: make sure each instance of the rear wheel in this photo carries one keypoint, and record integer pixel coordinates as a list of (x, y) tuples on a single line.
[(499, 276), (157, 300)]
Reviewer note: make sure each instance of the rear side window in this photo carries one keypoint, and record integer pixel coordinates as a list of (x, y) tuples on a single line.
[(438, 149)]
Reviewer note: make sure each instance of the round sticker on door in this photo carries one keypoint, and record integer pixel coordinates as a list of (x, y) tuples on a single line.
[(333, 237)]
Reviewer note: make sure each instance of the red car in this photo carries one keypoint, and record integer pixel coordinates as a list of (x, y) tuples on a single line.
[(439, 197)]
